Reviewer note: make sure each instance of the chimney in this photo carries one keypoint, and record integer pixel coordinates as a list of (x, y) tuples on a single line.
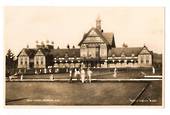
[(98, 23), (27, 46)]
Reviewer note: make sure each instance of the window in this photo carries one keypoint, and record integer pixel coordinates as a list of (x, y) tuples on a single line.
[(21, 61), (25, 62), (123, 54), (147, 59), (66, 55), (92, 52), (42, 61), (133, 55), (113, 55), (141, 59), (83, 46), (37, 62)]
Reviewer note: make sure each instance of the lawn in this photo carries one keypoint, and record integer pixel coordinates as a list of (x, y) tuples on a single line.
[(76, 93)]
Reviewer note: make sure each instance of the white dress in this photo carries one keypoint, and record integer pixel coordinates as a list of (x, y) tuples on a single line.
[(82, 76), (89, 75)]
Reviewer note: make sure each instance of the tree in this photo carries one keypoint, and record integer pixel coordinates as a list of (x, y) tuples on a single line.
[(9, 57), (10, 62)]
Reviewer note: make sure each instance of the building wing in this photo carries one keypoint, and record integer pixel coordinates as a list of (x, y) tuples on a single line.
[(65, 52), (126, 51)]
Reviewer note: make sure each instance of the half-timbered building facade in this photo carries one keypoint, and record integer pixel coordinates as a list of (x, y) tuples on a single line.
[(97, 50)]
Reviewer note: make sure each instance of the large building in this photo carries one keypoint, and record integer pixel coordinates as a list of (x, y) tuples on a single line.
[(97, 50)]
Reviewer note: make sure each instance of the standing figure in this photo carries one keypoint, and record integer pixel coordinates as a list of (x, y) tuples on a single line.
[(78, 75), (10, 78), (89, 73), (115, 73), (70, 74), (82, 75), (153, 70), (21, 77), (51, 77), (75, 73)]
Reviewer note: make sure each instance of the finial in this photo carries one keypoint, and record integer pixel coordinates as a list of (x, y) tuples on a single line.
[(27, 46), (36, 41), (47, 41), (98, 17)]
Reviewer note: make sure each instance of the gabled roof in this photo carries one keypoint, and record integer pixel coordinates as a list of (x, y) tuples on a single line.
[(29, 52), (62, 52), (44, 51), (126, 51), (108, 37), (146, 49)]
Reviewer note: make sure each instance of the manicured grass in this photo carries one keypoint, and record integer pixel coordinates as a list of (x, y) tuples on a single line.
[(76, 93)]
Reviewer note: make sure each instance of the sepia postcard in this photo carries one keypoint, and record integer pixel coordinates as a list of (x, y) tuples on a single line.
[(84, 56)]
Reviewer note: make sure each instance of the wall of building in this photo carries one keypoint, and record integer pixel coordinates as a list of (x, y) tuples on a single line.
[(39, 62), (23, 62), (145, 60), (67, 65), (83, 50), (103, 51)]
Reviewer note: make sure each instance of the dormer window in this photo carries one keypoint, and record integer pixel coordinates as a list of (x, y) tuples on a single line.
[(55, 60), (113, 55), (66, 55), (83, 46), (123, 54), (133, 55)]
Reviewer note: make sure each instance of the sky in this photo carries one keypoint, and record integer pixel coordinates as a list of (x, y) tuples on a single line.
[(135, 26)]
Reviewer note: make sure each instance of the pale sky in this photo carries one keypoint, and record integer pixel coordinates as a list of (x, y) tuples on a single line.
[(135, 26)]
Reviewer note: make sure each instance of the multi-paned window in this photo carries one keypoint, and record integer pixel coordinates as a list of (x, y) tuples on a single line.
[(21, 61), (147, 59), (42, 61), (142, 59)]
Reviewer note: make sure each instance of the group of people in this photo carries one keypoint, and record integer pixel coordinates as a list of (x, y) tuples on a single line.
[(80, 75)]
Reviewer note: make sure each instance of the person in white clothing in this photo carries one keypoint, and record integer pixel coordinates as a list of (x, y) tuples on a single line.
[(78, 75), (75, 73), (115, 73), (51, 77), (70, 74), (82, 75), (153, 70), (21, 77), (89, 73)]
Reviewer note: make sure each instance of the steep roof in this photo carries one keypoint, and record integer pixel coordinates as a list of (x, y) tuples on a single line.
[(29, 52), (44, 51), (62, 52), (127, 51), (107, 37)]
